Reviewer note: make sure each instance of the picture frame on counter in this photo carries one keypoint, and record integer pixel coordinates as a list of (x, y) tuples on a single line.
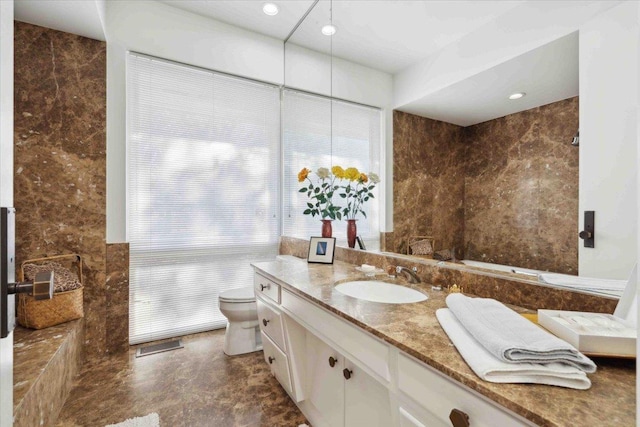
[(321, 250), (360, 241)]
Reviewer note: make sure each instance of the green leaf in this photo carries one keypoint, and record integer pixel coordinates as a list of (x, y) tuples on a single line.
[(310, 205), (344, 196), (364, 214), (330, 194), (307, 211), (339, 215), (316, 190), (309, 194), (366, 199), (313, 213)]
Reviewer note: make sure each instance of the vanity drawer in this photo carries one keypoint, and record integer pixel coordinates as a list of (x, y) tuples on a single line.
[(438, 396), (266, 287), (278, 363), (271, 323)]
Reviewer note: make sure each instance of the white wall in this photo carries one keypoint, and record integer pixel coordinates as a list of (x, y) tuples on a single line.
[(609, 140), (6, 187), (6, 103), (160, 30)]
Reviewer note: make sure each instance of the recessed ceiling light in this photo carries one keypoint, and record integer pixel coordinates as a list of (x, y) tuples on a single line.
[(270, 9), (328, 30), (517, 95)]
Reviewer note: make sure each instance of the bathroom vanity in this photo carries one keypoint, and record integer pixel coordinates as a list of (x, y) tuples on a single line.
[(349, 362)]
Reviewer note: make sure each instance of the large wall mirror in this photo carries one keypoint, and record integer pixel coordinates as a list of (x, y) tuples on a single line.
[(496, 194)]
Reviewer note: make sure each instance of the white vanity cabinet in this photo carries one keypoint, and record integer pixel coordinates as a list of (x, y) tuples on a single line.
[(282, 338), (342, 393), (343, 376)]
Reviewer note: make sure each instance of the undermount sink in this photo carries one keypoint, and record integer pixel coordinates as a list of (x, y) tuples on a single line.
[(376, 291)]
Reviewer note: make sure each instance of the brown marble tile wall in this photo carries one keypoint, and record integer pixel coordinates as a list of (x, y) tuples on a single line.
[(46, 362), (503, 191), (508, 288), (60, 141), (117, 295), (428, 182), (521, 189)]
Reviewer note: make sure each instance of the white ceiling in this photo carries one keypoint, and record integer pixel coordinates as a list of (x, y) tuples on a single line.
[(392, 35), (387, 35), (248, 14)]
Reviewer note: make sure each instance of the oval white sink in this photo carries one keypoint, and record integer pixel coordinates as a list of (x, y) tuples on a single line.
[(375, 291)]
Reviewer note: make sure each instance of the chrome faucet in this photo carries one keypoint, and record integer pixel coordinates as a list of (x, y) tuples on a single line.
[(410, 274)]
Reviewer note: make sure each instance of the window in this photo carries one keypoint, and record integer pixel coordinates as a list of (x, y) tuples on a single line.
[(319, 132), (203, 180)]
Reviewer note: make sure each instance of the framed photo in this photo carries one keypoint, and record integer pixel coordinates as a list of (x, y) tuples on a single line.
[(321, 250), (360, 243)]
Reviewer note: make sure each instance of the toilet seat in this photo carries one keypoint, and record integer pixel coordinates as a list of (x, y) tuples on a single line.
[(239, 295)]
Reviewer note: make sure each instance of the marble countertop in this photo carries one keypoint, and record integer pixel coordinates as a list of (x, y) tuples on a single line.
[(414, 329)]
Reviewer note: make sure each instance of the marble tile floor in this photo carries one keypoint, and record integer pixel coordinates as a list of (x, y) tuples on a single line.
[(195, 386)]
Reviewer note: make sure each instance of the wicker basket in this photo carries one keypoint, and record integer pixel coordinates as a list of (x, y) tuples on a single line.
[(421, 245), (63, 307)]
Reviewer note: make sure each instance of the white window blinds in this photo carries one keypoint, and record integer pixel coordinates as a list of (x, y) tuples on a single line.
[(203, 179), (318, 132)]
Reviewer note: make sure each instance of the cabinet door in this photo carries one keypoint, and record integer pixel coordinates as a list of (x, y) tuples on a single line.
[(326, 383), (366, 400)]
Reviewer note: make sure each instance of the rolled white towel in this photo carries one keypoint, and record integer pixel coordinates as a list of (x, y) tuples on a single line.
[(510, 337), (492, 369)]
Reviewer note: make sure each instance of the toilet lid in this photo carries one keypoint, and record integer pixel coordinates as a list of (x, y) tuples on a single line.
[(238, 295)]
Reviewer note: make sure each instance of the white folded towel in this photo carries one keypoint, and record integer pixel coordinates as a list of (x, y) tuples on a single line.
[(491, 369), (585, 283), (510, 337)]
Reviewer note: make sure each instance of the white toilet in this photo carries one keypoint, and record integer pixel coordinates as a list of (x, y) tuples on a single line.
[(243, 331)]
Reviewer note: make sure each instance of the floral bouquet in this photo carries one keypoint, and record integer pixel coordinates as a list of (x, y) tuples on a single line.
[(357, 191), (320, 194)]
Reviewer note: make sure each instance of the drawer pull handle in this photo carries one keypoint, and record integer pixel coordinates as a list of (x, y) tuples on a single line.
[(347, 373), (264, 322), (332, 361), (459, 418), (263, 287), (271, 359)]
